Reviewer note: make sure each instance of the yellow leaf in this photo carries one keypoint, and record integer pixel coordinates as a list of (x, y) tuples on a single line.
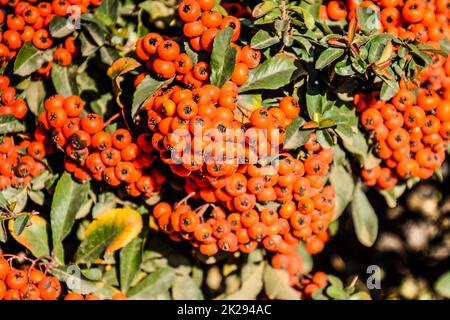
[(34, 237), (119, 68), (122, 66), (128, 222)]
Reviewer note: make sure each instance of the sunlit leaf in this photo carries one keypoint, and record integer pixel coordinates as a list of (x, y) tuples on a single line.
[(111, 231), (144, 90), (223, 58), (328, 56), (34, 237), (64, 80), (273, 73), (442, 285), (119, 68), (29, 59)]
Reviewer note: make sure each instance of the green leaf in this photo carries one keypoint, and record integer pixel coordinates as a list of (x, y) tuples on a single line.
[(423, 57), (276, 285), (343, 182), (314, 94), (88, 47), (223, 58), (60, 28), (354, 141), (274, 73), (64, 79), (442, 285), (445, 44), (335, 281), (95, 28), (191, 53), (17, 199), (37, 197), (156, 283), (38, 182), (9, 124), (263, 8), (308, 18), (20, 223), (92, 274), (130, 260), (328, 56), (295, 137), (29, 59), (108, 55), (344, 68), (103, 104), (185, 288), (391, 196), (324, 137), (250, 101), (157, 10), (108, 12), (34, 237), (35, 95), (67, 200), (360, 296), (106, 201), (364, 219), (359, 65), (252, 282), (307, 258), (144, 90), (389, 89), (263, 39), (337, 293), (377, 45)]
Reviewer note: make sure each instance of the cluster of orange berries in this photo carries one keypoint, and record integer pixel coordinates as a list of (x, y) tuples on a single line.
[(91, 152), (9, 105), (419, 20), (412, 130), (28, 21), (218, 158), (411, 134), (26, 283), (411, 19), (29, 282), (212, 228), (201, 26), (19, 163)]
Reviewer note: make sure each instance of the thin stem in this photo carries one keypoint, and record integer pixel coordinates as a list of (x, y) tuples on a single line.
[(114, 117), (185, 199)]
